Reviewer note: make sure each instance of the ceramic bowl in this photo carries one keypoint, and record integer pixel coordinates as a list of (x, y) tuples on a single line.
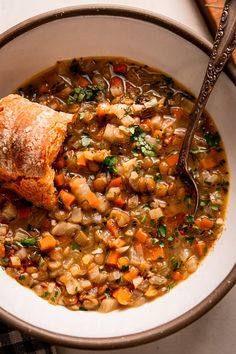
[(158, 42)]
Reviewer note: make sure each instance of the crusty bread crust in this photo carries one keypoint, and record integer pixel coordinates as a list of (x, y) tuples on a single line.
[(30, 138)]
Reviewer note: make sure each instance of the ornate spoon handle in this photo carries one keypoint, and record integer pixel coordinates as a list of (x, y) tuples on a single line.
[(223, 46)]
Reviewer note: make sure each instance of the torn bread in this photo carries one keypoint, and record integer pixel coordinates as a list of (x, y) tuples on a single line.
[(30, 138)]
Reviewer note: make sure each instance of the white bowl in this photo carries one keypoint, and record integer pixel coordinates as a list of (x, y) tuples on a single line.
[(158, 42)]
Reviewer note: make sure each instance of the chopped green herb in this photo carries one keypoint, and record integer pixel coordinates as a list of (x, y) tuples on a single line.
[(155, 241), (215, 207), (162, 230), (85, 140), (190, 219), (81, 116), (171, 286), (27, 242), (189, 239), (135, 131), (82, 309), (80, 94), (176, 264), (45, 295), (138, 135), (170, 238), (124, 268), (22, 277), (74, 246), (212, 139), (107, 293), (128, 110), (110, 163), (161, 244)]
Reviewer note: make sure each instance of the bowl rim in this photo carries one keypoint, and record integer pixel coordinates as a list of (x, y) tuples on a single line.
[(222, 289)]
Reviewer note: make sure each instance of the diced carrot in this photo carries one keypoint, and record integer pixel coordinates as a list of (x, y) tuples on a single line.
[(81, 160), (119, 242), (208, 163), (82, 82), (177, 276), (122, 295), (102, 109), (112, 227), (200, 248), (177, 112), (120, 68), (60, 163), (119, 201), (59, 180), (141, 235), (116, 81), (66, 198), (112, 258), (154, 253), (115, 182), (47, 243), (131, 274), (157, 133), (24, 213), (123, 261), (172, 160), (204, 223), (92, 200), (2, 250)]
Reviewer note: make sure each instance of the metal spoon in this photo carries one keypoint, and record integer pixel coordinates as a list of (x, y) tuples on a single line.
[(223, 46)]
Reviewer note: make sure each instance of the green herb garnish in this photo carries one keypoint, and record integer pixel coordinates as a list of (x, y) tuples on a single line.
[(124, 268), (110, 163), (74, 246), (162, 230), (80, 94), (27, 242), (176, 264), (212, 139)]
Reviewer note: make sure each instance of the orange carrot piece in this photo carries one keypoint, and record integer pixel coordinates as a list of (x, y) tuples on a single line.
[(112, 227), (157, 133), (177, 276), (59, 180), (208, 163), (119, 202), (81, 160), (115, 182), (123, 261), (82, 82), (102, 109), (92, 200), (24, 213), (141, 235), (200, 248), (177, 112), (204, 223), (172, 160), (122, 295), (131, 274), (47, 243), (2, 250), (66, 198), (112, 258), (154, 253)]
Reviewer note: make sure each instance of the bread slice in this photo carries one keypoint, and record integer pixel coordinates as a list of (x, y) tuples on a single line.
[(30, 138)]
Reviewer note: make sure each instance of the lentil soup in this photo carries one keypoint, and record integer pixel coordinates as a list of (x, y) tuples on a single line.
[(123, 232)]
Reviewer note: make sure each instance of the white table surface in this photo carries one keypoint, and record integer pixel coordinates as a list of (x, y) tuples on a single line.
[(214, 333)]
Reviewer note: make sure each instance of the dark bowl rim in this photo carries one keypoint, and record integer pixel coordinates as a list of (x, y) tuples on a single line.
[(224, 287)]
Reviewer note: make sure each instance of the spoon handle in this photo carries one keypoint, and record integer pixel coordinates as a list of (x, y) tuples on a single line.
[(223, 46)]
